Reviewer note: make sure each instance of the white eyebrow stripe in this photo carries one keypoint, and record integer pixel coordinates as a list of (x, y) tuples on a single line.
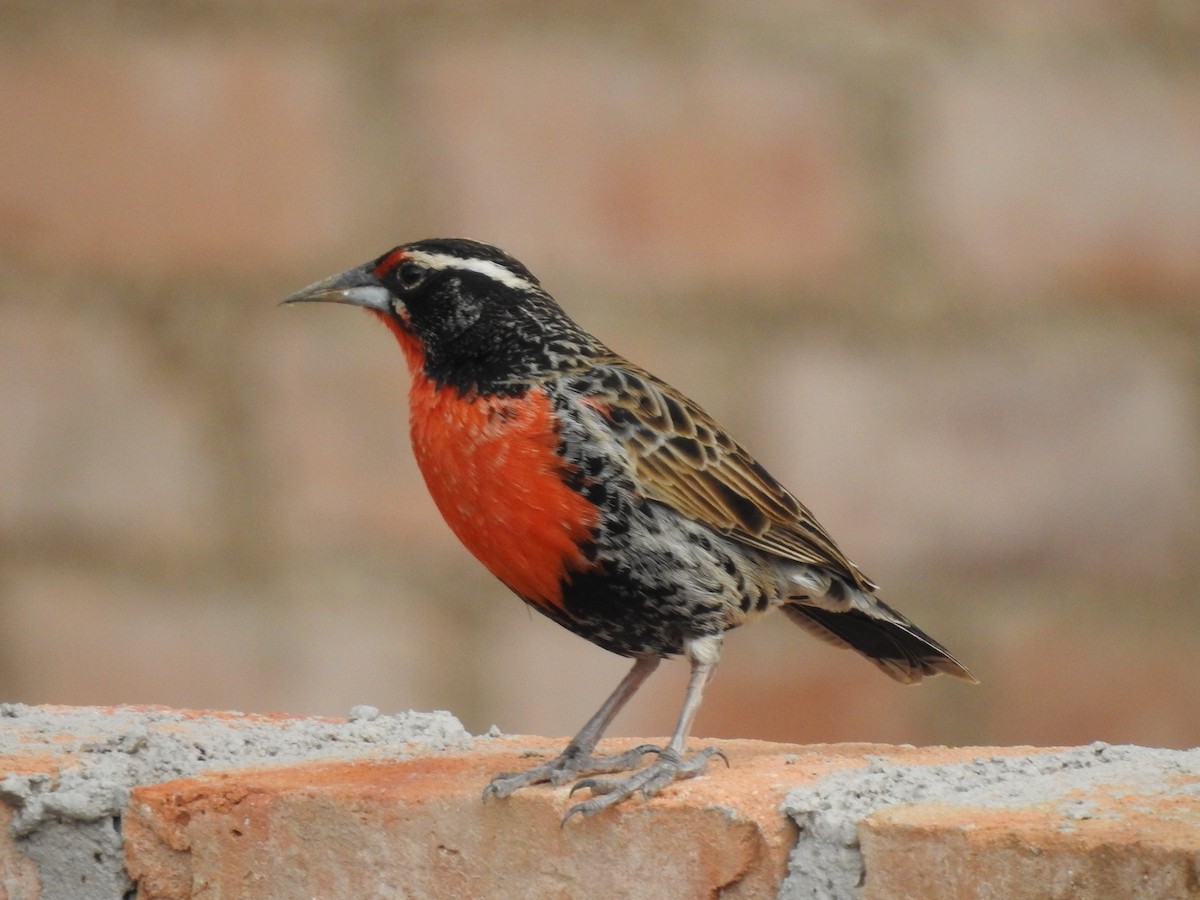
[(492, 270)]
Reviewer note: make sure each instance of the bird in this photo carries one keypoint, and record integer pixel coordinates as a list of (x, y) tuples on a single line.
[(605, 499)]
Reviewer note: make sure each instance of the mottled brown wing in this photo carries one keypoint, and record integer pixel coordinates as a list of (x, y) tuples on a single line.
[(683, 458)]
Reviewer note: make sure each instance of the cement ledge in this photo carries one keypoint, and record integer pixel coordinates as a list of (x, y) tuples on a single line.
[(153, 803)]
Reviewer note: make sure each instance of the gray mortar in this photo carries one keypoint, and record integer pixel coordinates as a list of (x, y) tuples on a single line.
[(827, 864), (70, 824)]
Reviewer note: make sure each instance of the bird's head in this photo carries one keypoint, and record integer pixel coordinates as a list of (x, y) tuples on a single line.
[(467, 314)]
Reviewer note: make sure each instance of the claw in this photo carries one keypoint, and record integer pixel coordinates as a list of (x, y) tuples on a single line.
[(642, 749), (670, 766), (595, 785), (589, 783), (580, 808), (569, 765)]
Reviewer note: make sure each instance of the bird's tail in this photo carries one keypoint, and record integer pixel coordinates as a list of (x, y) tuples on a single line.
[(846, 616)]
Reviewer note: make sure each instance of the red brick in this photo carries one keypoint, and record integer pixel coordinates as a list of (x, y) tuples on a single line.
[(88, 638), (419, 827), (19, 877), (1075, 452), (715, 170), (172, 155), (1128, 683), (335, 426), (98, 443), (366, 810), (1143, 849), (1043, 177), (326, 641)]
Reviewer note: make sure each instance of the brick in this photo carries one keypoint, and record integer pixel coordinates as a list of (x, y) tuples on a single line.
[(1075, 452), (224, 804), (419, 828), (1123, 683), (19, 878), (139, 157), (335, 425), (162, 146), (99, 445), (362, 633), (650, 172), (88, 637), (332, 637), (66, 773), (1122, 845), (1091, 822), (1040, 177)]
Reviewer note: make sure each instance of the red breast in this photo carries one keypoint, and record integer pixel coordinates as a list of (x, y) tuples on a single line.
[(492, 465)]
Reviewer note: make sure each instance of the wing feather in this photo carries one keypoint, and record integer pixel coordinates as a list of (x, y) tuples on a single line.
[(681, 457)]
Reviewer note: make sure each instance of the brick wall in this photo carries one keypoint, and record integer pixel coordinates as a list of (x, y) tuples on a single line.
[(165, 804), (935, 264)]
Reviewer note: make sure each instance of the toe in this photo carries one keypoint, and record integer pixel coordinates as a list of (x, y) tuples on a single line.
[(567, 767), (669, 767)]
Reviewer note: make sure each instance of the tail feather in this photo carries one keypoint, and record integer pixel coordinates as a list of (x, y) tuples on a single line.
[(901, 649)]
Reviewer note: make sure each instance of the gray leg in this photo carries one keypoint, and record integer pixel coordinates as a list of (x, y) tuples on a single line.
[(577, 759), (671, 764)]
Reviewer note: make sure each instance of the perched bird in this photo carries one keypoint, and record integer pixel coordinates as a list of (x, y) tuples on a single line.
[(604, 498)]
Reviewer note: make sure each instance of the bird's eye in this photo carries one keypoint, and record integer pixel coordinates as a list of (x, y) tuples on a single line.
[(410, 274)]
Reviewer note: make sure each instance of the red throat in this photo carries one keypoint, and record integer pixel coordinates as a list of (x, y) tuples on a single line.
[(409, 343), (493, 469)]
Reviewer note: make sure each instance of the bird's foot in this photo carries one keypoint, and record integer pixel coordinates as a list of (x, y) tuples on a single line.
[(670, 766), (569, 765)]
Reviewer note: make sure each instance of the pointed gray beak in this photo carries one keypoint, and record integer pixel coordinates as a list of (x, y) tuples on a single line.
[(357, 287)]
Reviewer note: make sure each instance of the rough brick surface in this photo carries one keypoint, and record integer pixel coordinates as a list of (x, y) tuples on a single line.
[(184, 804), (419, 828), (66, 774), (1149, 851), (1096, 821), (1008, 823)]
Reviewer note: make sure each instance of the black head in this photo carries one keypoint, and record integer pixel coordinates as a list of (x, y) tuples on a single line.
[(480, 319)]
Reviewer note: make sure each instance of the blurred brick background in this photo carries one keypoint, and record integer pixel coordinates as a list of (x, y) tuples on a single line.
[(937, 264)]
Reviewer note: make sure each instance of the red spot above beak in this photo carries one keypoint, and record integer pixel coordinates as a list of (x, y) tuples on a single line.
[(389, 263)]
